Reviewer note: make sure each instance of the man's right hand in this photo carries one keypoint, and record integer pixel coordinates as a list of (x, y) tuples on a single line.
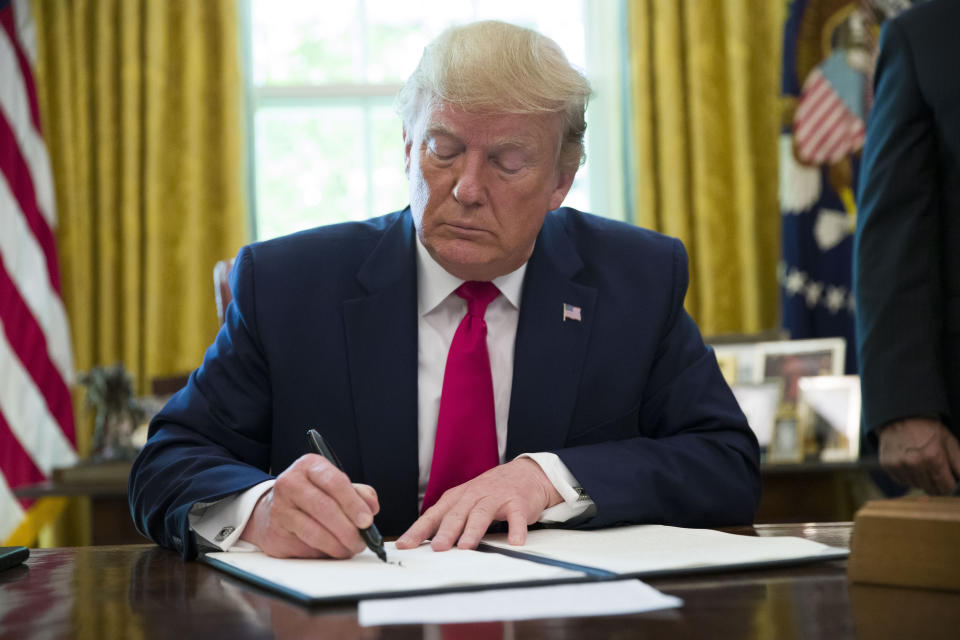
[(312, 511), (921, 452)]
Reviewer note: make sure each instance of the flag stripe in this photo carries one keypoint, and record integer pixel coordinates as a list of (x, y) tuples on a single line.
[(29, 419), (811, 99), (833, 120), (27, 341), (6, 20), (838, 144), (813, 92), (18, 177), (26, 31), (14, 105), (16, 463), (37, 431), (24, 262), (823, 111), (11, 512)]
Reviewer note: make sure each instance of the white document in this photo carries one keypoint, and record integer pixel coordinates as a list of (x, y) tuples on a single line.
[(644, 549), (408, 570), (559, 601)]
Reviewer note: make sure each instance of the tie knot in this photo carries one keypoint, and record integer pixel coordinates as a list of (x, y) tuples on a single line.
[(478, 295)]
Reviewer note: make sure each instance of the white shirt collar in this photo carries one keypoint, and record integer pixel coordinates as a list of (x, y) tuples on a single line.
[(434, 283)]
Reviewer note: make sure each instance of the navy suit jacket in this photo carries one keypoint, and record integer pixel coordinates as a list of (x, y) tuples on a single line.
[(322, 333), (907, 242)]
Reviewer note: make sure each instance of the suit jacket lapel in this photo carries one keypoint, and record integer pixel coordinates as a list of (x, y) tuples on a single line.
[(381, 336), (550, 349)]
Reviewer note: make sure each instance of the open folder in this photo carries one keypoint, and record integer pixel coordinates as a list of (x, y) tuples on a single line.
[(550, 556)]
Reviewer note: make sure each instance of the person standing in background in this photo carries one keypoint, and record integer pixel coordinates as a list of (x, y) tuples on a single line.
[(907, 251)]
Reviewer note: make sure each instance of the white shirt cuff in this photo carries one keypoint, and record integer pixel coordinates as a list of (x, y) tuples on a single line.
[(220, 523), (574, 501)]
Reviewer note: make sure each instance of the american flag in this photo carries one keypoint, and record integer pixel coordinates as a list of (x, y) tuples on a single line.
[(571, 312), (826, 129), (36, 362)]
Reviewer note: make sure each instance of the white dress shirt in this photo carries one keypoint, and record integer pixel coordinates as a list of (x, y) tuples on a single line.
[(440, 311)]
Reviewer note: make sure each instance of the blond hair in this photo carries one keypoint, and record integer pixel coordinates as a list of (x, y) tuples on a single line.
[(495, 67)]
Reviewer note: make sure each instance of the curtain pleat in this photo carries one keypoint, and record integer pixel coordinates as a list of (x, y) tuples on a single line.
[(705, 119), (141, 105)]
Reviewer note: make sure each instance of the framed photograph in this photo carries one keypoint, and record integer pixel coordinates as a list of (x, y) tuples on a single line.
[(759, 402), (829, 408), (736, 361), (786, 443), (791, 360), (736, 352)]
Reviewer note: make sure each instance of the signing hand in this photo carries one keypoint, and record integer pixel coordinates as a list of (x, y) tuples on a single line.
[(516, 492), (312, 511), (921, 452)]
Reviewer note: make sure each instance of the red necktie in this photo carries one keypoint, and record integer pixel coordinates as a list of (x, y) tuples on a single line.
[(466, 442)]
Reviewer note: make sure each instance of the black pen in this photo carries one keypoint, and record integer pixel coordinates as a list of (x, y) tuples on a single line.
[(370, 535)]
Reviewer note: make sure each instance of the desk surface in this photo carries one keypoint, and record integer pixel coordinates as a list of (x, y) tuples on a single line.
[(142, 591)]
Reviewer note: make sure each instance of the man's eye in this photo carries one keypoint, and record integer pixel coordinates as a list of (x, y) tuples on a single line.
[(509, 162), (443, 152)]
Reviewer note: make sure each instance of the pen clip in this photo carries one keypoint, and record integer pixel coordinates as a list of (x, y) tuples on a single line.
[(319, 445)]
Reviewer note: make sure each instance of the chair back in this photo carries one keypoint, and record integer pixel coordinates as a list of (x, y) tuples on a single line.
[(221, 287)]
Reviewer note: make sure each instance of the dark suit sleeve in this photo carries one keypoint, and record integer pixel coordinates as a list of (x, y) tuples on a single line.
[(896, 247), (697, 463), (212, 438)]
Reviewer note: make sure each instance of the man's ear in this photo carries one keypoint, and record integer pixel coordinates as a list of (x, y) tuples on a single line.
[(564, 182), (407, 147)]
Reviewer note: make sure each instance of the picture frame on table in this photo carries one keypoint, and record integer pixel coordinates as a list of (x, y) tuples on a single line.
[(787, 440), (759, 402), (736, 361), (828, 407), (790, 360)]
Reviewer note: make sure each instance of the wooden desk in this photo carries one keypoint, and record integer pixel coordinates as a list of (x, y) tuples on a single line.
[(142, 591)]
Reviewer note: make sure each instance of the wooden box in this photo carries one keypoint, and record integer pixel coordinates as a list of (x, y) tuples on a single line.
[(907, 542)]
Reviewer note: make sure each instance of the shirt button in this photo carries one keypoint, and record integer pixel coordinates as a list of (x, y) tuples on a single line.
[(224, 533)]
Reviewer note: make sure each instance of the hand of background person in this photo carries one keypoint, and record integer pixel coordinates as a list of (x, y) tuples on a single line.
[(921, 452), (516, 492), (312, 511)]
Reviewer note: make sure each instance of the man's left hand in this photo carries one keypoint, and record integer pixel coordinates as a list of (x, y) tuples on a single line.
[(517, 492)]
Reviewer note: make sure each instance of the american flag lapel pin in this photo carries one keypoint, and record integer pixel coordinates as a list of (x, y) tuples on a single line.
[(571, 312)]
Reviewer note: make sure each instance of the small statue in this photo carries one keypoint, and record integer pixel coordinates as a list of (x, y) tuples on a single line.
[(110, 392)]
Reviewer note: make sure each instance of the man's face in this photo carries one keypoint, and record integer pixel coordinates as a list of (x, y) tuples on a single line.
[(481, 185)]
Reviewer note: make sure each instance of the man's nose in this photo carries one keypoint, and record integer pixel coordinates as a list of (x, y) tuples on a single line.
[(469, 189)]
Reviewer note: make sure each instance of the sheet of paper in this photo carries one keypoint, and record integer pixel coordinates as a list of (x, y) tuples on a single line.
[(649, 548), (560, 601), (408, 570)]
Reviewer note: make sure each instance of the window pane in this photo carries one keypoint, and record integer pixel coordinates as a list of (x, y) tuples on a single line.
[(396, 34), (380, 41), (325, 164), (389, 183), (297, 42), (310, 167)]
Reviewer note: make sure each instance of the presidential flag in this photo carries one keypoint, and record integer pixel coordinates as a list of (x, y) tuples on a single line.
[(36, 363), (829, 50)]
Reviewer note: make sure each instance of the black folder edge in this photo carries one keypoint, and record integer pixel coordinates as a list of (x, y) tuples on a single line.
[(838, 553), (590, 574)]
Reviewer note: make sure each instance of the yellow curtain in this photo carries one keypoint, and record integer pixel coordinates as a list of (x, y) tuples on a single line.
[(141, 103), (705, 121)]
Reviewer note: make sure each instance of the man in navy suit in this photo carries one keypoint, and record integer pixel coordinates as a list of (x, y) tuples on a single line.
[(608, 407), (907, 251)]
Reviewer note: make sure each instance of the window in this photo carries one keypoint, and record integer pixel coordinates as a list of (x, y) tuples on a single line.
[(326, 143)]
